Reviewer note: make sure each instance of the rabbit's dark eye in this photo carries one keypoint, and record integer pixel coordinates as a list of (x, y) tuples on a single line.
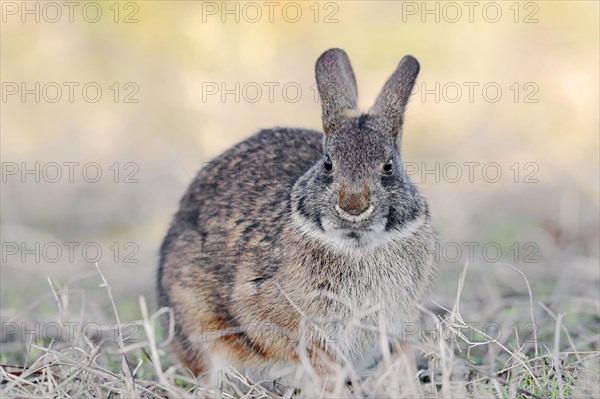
[(327, 164), (388, 168)]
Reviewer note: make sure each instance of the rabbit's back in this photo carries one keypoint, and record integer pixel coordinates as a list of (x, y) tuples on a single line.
[(248, 186)]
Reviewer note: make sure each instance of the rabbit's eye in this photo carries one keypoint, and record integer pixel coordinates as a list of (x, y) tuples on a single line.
[(388, 168), (327, 164)]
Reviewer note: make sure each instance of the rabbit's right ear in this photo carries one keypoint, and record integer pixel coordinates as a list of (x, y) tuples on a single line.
[(337, 87)]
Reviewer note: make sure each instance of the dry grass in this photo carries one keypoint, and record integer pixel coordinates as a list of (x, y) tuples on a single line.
[(470, 360)]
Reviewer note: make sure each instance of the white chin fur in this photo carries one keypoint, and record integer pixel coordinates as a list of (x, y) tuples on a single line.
[(354, 219), (338, 239)]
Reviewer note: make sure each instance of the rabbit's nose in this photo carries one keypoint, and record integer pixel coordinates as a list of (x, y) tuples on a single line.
[(354, 202)]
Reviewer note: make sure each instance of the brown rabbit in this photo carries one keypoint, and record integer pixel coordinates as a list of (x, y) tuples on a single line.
[(299, 248)]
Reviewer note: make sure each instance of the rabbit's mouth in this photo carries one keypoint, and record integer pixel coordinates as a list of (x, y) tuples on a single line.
[(355, 230), (354, 218)]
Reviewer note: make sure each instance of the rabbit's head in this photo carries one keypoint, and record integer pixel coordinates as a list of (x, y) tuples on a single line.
[(358, 194)]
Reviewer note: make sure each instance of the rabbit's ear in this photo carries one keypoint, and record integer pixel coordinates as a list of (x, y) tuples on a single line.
[(337, 86), (391, 102)]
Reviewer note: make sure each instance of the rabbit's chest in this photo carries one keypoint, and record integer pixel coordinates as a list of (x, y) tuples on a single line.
[(361, 305), (367, 288)]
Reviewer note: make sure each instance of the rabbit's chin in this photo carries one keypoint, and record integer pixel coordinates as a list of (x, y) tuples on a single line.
[(349, 237)]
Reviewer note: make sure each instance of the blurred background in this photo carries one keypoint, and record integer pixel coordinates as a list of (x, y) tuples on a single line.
[(110, 108)]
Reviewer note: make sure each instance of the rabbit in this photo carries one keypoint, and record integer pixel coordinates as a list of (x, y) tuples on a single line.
[(297, 249)]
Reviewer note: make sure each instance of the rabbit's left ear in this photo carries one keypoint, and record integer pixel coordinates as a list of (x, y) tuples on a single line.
[(337, 87), (391, 102)]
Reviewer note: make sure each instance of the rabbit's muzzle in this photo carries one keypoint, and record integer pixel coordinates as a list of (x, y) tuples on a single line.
[(354, 202)]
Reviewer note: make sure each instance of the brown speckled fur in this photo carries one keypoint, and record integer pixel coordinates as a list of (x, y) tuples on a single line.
[(258, 265)]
